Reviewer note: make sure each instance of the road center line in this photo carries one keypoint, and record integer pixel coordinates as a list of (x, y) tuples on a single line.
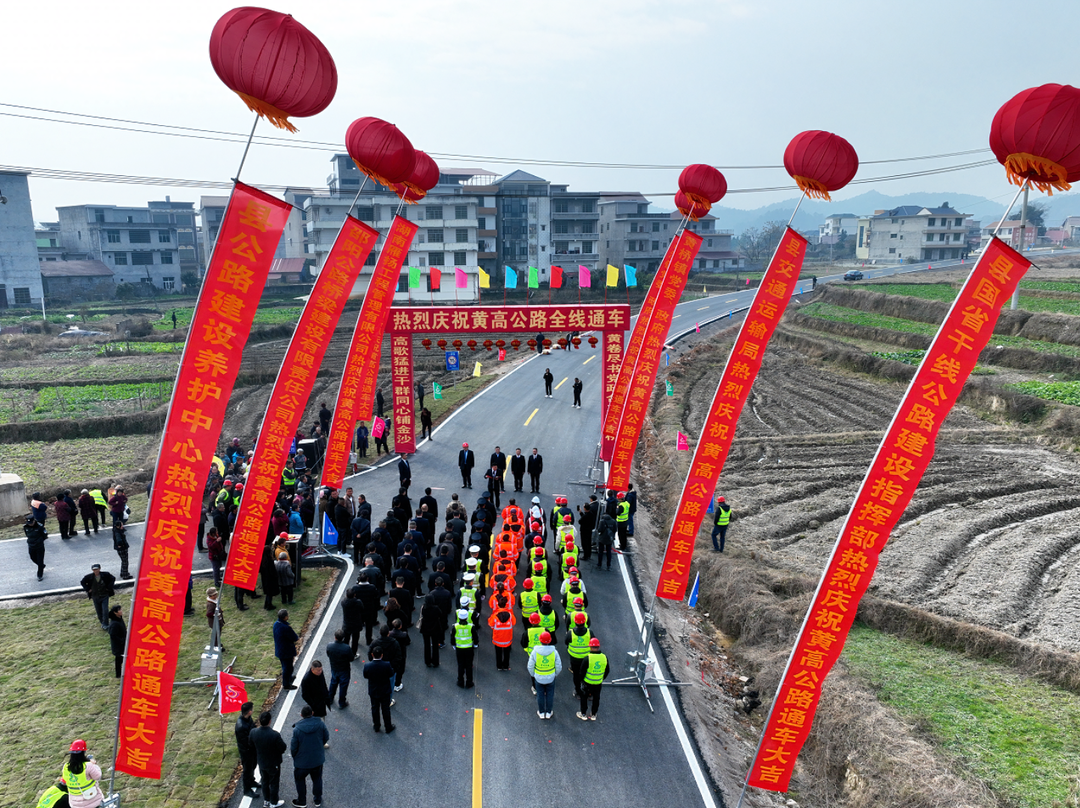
[(676, 317), (591, 358), (533, 413), (560, 384), (702, 308), (478, 759)]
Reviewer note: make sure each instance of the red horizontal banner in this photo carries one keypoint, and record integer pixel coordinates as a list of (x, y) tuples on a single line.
[(631, 403), (219, 329), (895, 473), (291, 390), (509, 319), (358, 380), (744, 362)]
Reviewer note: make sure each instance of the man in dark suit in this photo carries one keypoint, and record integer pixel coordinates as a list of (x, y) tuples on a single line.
[(498, 460), (517, 468), (535, 465), (431, 502), (492, 477), (404, 471), (466, 460)]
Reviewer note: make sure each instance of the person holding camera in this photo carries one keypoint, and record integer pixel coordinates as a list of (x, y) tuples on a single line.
[(81, 774)]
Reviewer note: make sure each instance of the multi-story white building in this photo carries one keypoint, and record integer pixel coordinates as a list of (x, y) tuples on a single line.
[(20, 272), (912, 233), (835, 225)]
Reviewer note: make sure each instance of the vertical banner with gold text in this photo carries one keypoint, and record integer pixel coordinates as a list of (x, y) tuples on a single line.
[(401, 380), (895, 473), (220, 326), (718, 431)]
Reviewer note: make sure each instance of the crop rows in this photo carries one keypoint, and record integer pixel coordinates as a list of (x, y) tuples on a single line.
[(1063, 392), (947, 293), (907, 357)]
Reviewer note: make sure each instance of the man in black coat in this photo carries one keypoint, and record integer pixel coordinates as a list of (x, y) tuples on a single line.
[(535, 465), (587, 521), (517, 468), (498, 460), (432, 628), (352, 620), (244, 725), (379, 403), (117, 637), (363, 507), (313, 689), (368, 595), (372, 573), (99, 586), (404, 472), (360, 528), (466, 460), (269, 749), (493, 482), (388, 647), (430, 501), (341, 656), (35, 542), (380, 676)]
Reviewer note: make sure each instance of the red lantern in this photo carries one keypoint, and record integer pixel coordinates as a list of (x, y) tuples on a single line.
[(488, 344), (424, 176), (276, 65), (547, 343), (562, 342), (472, 344), (407, 193), (457, 344), (690, 209), (442, 344), (575, 341), (380, 150), (1036, 136), (531, 343), (702, 184), (515, 344), (426, 343), (820, 162), (592, 342), (500, 343)]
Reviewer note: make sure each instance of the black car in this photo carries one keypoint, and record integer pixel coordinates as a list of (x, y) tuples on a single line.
[(853, 275)]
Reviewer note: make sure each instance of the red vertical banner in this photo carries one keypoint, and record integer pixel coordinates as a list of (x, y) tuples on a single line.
[(633, 349), (291, 390), (358, 380), (631, 403), (895, 473), (401, 380), (220, 326), (612, 356), (718, 431)]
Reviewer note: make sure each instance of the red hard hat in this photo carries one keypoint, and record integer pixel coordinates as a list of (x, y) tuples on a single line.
[(594, 643), (573, 579), (538, 568), (721, 499), (546, 599), (464, 446), (537, 541), (579, 618), (539, 552), (545, 637), (78, 745), (621, 495), (535, 525), (569, 545), (534, 618), (573, 574), (567, 518), (283, 535), (227, 483), (239, 487), (528, 583)]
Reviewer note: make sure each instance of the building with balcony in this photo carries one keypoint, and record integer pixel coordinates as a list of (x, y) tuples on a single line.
[(152, 245), (1009, 232), (631, 234), (575, 225), (523, 223), (20, 272), (912, 233), (835, 225)]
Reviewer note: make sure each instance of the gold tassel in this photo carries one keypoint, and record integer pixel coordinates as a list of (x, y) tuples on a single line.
[(700, 200), (812, 187), (1044, 174), (277, 117)]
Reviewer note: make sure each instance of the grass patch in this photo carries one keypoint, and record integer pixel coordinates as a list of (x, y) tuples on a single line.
[(273, 315), (1012, 732), (1052, 286), (926, 291), (907, 357), (83, 400), (1064, 392), (947, 293), (46, 464), (126, 348), (58, 695), (100, 370)]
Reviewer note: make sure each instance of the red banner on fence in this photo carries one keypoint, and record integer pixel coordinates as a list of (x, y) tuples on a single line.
[(291, 390), (718, 431), (632, 401), (895, 473), (401, 380), (661, 292), (358, 380), (220, 326)]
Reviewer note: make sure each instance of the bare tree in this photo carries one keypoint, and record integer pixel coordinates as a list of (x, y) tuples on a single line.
[(757, 244)]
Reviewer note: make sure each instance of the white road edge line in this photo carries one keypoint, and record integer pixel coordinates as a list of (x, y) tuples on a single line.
[(285, 706), (665, 692)]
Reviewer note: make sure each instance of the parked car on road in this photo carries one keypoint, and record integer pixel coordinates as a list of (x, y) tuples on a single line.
[(853, 275)]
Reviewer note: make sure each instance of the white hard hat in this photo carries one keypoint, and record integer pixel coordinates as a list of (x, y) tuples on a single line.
[(474, 548), (536, 500), (465, 600), (469, 577), (462, 614)]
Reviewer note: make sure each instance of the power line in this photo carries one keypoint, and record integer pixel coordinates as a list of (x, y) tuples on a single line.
[(315, 145)]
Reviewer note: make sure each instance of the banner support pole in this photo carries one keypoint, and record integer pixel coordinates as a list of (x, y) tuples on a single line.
[(247, 147)]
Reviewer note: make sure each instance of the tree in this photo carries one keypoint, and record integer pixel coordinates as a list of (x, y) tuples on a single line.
[(758, 244), (1036, 214)]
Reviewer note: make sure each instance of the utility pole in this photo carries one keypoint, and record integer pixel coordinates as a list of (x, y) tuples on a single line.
[(1020, 249)]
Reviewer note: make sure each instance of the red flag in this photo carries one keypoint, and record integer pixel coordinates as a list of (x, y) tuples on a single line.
[(436, 278), (502, 354), (682, 442), (556, 277), (231, 693), (378, 426)]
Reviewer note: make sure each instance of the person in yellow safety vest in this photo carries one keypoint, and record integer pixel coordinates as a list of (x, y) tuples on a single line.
[(549, 618), (723, 517), (471, 590), (569, 560), (55, 796), (502, 625), (540, 578), (528, 599), (566, 533), (225, 495), (288, 477), (530, 638), (538, 547), (541, 559), (464, 639), (81, 776), (596, 671), (559, 512), (238, 494), (544, 665), (622, 519), (101, 505), (467, 603), (577, 645), (573, 588), (576, 607)]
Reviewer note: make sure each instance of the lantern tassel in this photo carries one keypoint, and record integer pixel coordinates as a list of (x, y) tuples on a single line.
[(703, 201), (277, 117), (1044, 174), (812, 187)]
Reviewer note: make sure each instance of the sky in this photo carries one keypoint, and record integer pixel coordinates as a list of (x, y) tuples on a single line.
[(638, 82)]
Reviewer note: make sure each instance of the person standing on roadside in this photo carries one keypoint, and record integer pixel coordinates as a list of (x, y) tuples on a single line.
[(466, 462), (596, 671), (63, 516), (242, 730), (87, 511), (73, 513), (100, 505), (535, 466), (425, 423), (285, 640), (99, 587), (35, 543), (548, 380), (310, 738), (118, 504), (120, 544), (269, 748), (117, 637), (577, 392), (720, 524)]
